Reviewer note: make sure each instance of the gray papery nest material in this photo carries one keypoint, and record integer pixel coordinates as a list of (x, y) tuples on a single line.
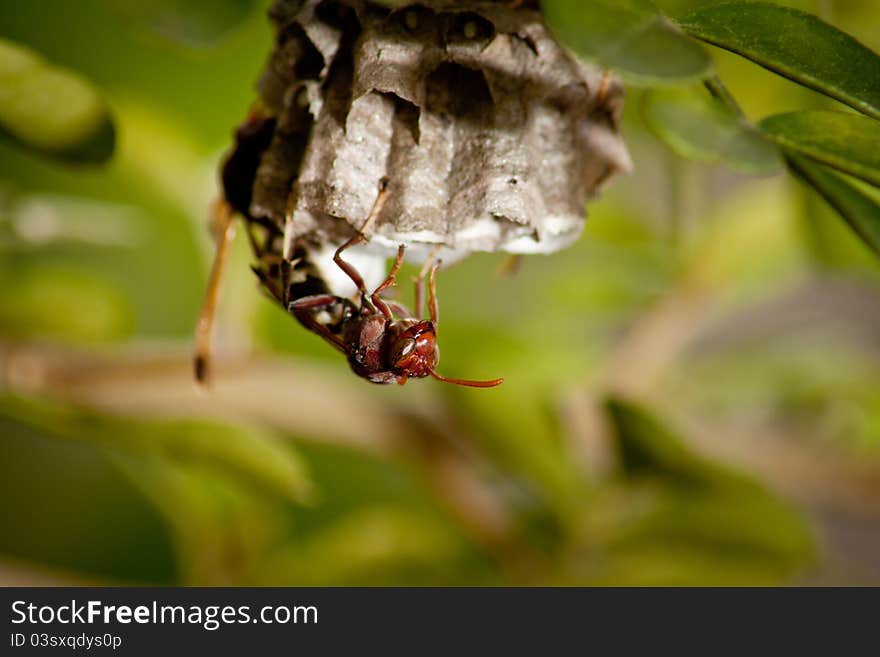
[(492, 137)]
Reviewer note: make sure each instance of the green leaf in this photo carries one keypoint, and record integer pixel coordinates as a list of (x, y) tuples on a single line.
[(668, 537), (795, 45), (368, 547), (859, 210), (252, 456), (67, 506), (41, 301), (51, 109), (678, 518), (631, 37), (844, 141), (515, 426), (697, 126), (648, 448), (187, 22)]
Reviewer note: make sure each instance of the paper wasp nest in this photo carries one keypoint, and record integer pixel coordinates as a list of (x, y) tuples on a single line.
[(491, 136)]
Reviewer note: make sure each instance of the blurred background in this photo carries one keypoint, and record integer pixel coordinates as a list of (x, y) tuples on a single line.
[(692, 392)]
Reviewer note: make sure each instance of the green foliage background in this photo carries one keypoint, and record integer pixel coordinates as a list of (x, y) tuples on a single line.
[(692, 392)]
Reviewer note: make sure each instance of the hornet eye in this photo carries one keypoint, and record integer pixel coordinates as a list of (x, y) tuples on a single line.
[(403, 349)]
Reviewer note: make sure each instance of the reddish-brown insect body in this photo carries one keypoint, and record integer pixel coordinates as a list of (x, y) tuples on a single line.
[(383, 341)]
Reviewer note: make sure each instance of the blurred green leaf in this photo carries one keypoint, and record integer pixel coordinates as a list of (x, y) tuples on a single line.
[(51, 109), (371, 546), (253, 455), (697, 126), (676, 8), (814, 383), (631, 37), (60, 303), (679, 513), (520, 431), (67, 506), (350, 479), (844, 141), (860, 211), (191, 23), (225, 492), (648, 448), (660, 536), (795, 45), (221, 526)]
